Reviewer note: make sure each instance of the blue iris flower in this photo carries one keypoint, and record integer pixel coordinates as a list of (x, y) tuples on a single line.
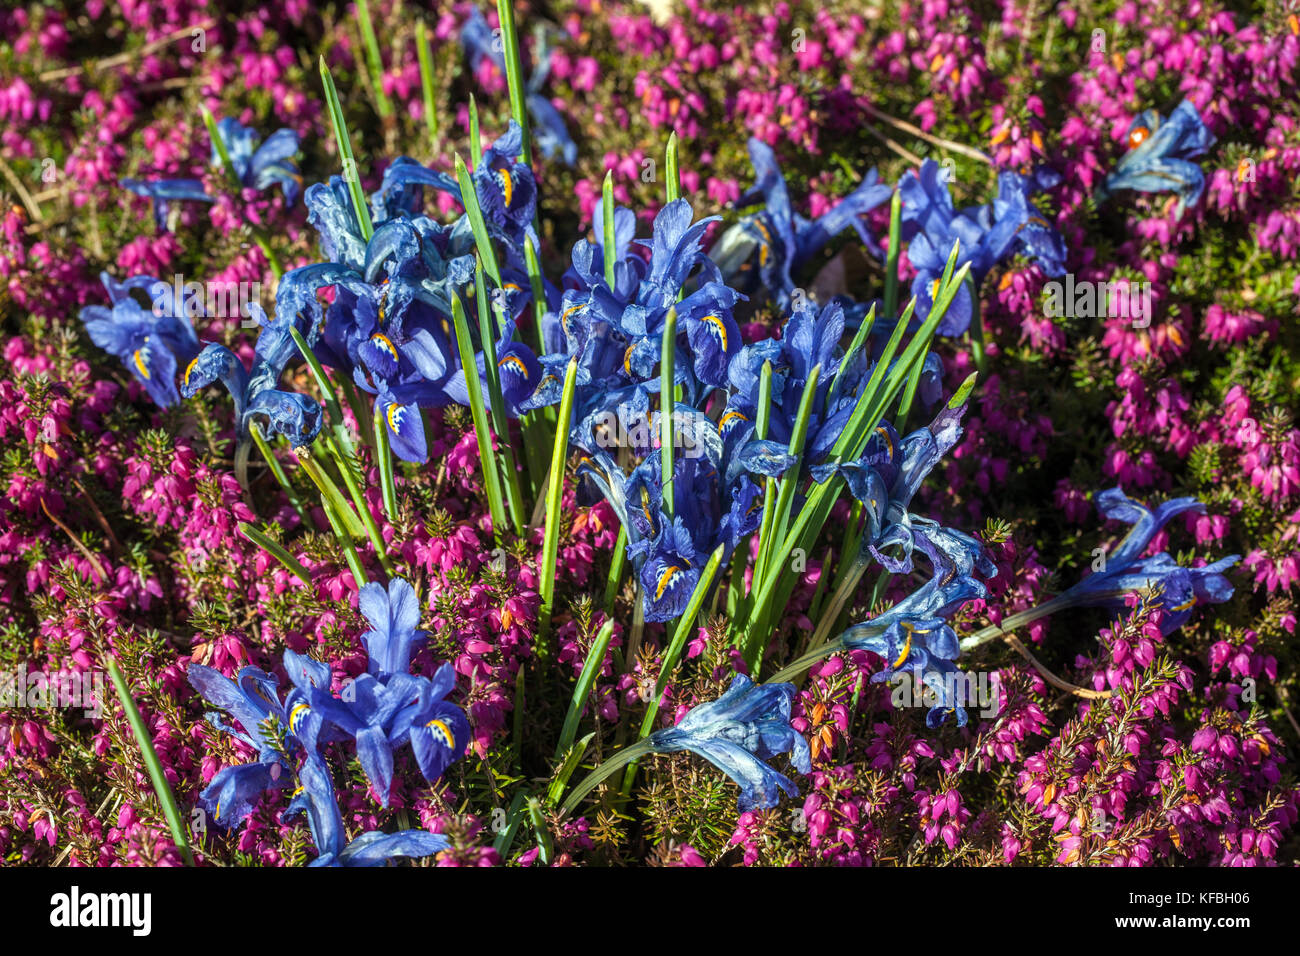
[(253, 700), (764, 249), (151, 342), (984, 235), (505, 188), (256, 394), (716, 502), (1181, 589), (258, 167), (316, 799), (746, 726), (387, 707), (164, 191), (518, 370), (887, 476), (810, 338), (548, 130), (615, 331), (913, 637), (1160, 156), (388, 325), (264, 166)]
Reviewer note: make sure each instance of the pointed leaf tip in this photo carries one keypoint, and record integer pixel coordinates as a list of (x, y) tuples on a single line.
[(962, 395)]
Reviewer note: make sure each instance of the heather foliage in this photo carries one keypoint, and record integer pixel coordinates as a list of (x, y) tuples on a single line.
[(778, 433)]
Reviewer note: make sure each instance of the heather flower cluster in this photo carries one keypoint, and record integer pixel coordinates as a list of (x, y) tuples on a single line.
[(682, 434)]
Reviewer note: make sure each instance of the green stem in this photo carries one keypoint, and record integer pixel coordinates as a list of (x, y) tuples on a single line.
[(616, 567), (351, 174), (345, 466), (607, 244), (278, 471), (373, 59), (838, 600), (1015, 621), (667, 372), (276, 551), (384, 453), (491, 476), (475, 142), (554, 496), (337, 423), (605, 771), (893, 254), (151, 762), (425, 54), (500, 424), (976, 327), (330, 491), (345, 541), (595, 660), (670, 168), (482, 241), (214, 133), (515, 78)]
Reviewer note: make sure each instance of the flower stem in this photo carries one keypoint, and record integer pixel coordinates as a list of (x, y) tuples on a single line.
[(1013, 622), (425, 54), (276, 551)]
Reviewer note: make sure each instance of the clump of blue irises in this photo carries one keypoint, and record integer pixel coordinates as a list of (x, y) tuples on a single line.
[(380, 309), (381, 711)]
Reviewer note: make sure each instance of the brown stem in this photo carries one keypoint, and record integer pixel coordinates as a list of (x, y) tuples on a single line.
[(1051, 678)]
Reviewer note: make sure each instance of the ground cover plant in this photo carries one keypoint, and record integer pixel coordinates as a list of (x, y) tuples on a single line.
[(688, 434)]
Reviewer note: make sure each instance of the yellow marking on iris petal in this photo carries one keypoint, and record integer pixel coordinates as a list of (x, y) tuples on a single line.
[(715, 322), (190, 368), (394, 416), (645, 508), (139, 363), (664, 579), (884, 433), (385, 343), (934, 289), (512, 286), (762, 254), (515, 362), (729, 416), (907, 645), (1138, 137), (507, 185), (444, 730), (293, 715), (627, 361), (1186, 604), (758, 224)]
